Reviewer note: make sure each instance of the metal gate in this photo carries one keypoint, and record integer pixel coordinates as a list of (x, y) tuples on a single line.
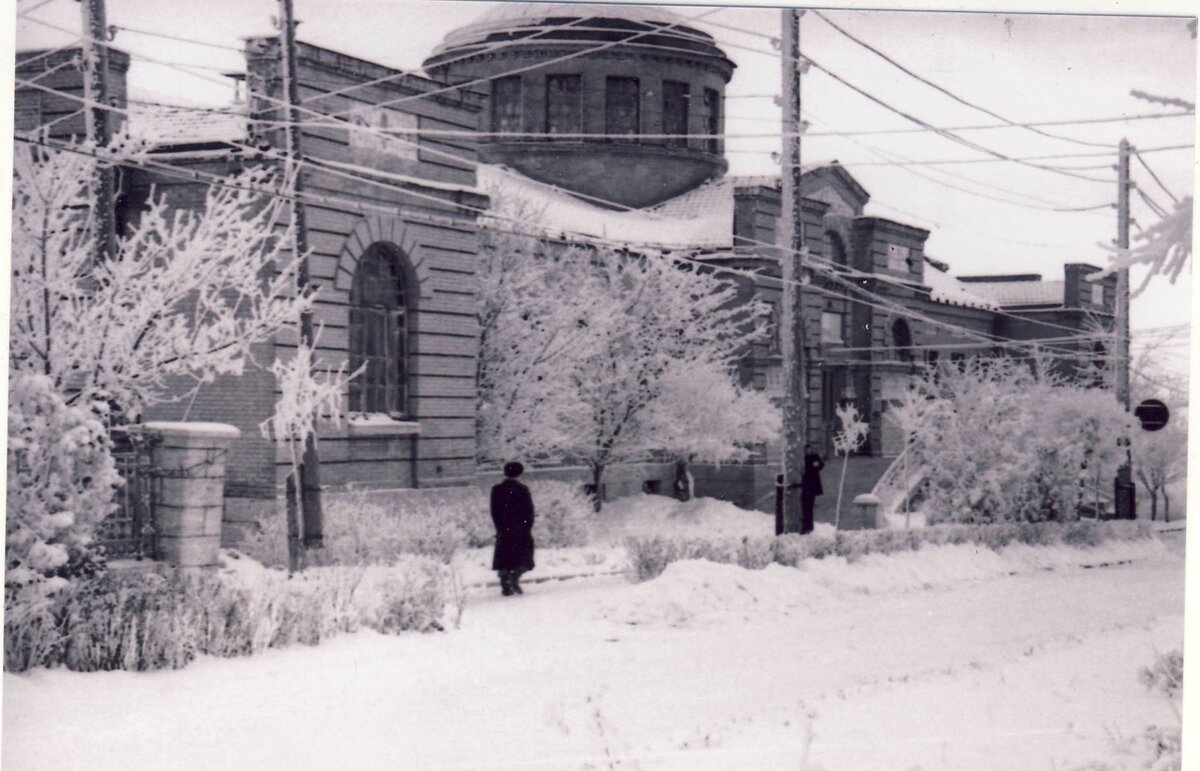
[(129, 532)]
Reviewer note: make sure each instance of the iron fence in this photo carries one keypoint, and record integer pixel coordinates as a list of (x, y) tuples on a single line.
[(129, 532)]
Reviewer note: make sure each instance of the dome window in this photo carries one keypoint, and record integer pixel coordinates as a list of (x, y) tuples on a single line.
[(622, 108)]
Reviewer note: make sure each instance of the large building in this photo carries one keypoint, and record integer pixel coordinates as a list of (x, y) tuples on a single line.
[(609, 119)]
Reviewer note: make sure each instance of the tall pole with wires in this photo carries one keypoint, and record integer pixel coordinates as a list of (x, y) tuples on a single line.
[(791, 257), (1126, 502), (310, 469), (96, 120)]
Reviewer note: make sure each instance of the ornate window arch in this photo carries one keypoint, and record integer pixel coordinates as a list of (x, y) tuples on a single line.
[(381, 305), (837, 248)]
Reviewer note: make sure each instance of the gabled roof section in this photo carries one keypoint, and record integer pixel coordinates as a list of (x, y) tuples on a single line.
[(812, 175), (835, 171)]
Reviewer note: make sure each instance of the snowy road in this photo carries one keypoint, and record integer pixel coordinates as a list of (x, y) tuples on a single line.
[(1036, 670)]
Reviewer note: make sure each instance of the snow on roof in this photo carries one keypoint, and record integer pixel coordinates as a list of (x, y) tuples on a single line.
[(1009, 294), (510, 16), (701, 218), (944, 288), (162, 125)]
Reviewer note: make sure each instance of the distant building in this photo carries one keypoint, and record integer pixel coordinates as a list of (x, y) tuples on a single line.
[(637, 98)]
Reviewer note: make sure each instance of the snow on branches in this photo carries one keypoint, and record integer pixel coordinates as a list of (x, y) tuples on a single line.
[(601, 356), (1164, 247), (61, 480), (184, 299), (1003, 441)]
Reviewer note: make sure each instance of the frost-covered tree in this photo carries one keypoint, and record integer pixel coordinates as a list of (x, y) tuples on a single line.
[(703, 415), (850, 438), (183, 300), (1001, 441), (587, 354)]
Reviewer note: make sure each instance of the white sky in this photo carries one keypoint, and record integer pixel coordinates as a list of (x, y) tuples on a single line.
[(1024, 67)]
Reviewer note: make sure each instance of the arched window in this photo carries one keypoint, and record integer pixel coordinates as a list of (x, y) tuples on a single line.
[(902, 340), (837, 248), (379, 333)]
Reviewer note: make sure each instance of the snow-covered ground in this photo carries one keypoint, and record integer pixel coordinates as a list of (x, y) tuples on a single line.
[(949, 658)]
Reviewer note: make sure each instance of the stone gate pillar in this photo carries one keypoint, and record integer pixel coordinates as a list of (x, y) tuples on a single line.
[(189, 466)]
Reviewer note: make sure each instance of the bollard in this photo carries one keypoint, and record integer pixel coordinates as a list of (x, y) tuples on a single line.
[(866, 513)]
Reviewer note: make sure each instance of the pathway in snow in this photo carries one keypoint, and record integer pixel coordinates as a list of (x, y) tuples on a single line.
[(1029, 671)]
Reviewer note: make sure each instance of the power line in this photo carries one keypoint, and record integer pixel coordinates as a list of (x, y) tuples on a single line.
[(539, 65), (483, 50), (945, 91), (414, 193), (1155, 177), (1041, 204), (27, 11), (805, 58), (348, 206), (177, 38)]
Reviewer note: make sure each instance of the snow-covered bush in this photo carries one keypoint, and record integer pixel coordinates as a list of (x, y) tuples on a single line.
[(1165, 677), (1002, 441), (143, 620), (61, 480), (377, 528), (650, 555), (412, 597), (563, 514)]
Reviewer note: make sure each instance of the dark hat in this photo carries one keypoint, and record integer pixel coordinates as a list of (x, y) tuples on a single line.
[(513, 470)]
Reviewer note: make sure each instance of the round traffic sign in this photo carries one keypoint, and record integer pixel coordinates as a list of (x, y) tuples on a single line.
[(1153, 414)]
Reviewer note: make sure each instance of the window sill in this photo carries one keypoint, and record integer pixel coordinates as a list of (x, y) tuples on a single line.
[(382, 425)]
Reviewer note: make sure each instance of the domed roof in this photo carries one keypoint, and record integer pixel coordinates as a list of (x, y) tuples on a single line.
[(506, 20)]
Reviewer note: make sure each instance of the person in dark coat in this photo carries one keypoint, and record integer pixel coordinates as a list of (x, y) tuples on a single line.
[(810, 487), (512, 513)]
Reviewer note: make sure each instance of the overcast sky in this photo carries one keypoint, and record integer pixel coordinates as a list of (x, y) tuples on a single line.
[(1021, 66)]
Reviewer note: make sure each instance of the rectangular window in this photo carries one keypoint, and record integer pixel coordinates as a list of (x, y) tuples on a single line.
[(564, 104), (712, 119), (831, 328), (1098, 295), (622, 109), (898, 258), (675, 112), (506, 105)]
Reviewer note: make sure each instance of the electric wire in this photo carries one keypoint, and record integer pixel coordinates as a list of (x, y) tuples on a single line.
[(353, 207), (1155, 177), (418, 181), (943, 90)]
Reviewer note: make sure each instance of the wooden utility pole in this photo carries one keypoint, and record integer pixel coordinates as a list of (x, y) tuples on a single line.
[(791, 258), (310, 468), (1125, 499), (96, 121)]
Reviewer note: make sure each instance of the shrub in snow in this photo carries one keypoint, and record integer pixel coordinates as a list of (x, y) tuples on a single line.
[(411, 597), (1165, 677), (1002, 441), (362, 529), (650, 555), (143, 621), (376, 529), (61, 480), (563, 514)]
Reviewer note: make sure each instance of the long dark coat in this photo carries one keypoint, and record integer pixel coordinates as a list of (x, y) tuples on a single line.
[(811, 481), (512, 513)]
